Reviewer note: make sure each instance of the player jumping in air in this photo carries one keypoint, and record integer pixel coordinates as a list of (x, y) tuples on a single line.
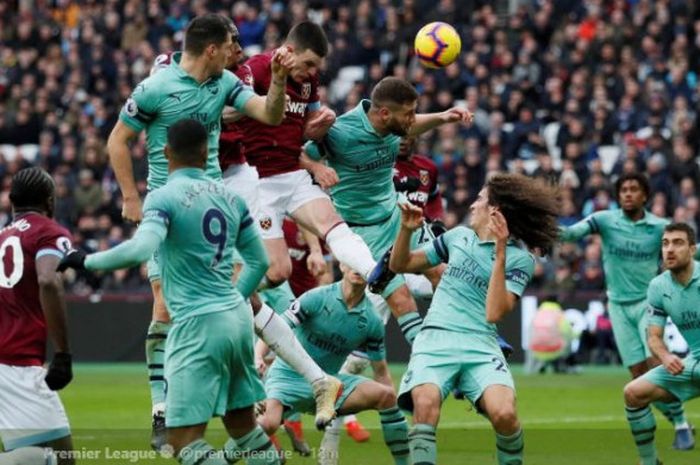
[(195, 84)]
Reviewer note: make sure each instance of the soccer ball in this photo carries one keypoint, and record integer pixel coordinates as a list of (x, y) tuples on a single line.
[(437, 45)]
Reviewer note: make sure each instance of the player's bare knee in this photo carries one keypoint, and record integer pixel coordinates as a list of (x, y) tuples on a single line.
[(425, 406), (386, 398), (278, 273), (401, 302), (633, 395), (269, 424), (504, 419)]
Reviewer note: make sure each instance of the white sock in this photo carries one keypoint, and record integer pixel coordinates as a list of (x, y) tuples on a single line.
[(279, 337), (328, 452), (419, 285), (28, 456), (683, 425), (350, 249), (349, 419), (380, 306)]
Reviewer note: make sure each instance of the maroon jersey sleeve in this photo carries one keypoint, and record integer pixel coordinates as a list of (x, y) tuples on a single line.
[(22, 243), (433, 207), (231, 148)]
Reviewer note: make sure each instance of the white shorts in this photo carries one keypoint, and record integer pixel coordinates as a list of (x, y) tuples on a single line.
[(243, 180), (30, 413), (282, 194)]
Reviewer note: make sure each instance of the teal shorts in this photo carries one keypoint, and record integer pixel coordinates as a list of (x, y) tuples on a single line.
[(153, 267), (295, 393), (379, 237), (684, 386), (629, 323), (209, 367), (470, 362)]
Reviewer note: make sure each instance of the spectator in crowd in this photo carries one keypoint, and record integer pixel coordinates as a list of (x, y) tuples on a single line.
[(552, 87)]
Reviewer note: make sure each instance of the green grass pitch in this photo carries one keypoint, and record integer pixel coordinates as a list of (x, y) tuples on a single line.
[(568, 420)]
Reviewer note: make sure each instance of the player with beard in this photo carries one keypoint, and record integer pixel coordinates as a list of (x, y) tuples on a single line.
[(676, 294), (631, 239), (362, 147)]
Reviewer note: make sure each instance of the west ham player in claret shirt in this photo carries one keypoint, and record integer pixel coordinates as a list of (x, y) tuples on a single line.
[(285, 188), (32, 309), (416, 177)]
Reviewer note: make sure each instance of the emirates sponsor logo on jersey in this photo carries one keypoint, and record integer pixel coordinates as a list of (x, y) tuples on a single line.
[(424, 177), (306, 90), (265, 223)]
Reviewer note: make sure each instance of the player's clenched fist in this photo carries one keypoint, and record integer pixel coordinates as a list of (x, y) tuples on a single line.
[(131, 210), (73, 259), (318, 123), (457, 114), (60, 371), (282, 62)]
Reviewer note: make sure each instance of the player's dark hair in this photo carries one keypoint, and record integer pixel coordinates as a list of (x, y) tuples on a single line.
[(634, 176), (393, 90), (32, 189), (187, 138), (530, 207), (682, 227), (205, 30), (307, 35)]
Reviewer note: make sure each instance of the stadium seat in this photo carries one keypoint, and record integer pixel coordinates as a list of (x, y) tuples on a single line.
[(347, 76), (608, 155), (9, 152)]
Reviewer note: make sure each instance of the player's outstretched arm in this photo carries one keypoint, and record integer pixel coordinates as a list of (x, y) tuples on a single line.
[(130, 253), (120, 159), (579, 230), (403, 259), (427, 121), (270, 109)]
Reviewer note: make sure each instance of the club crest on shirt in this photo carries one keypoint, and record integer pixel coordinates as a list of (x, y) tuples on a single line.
[(424, 177), (306, 90), (265, 223)]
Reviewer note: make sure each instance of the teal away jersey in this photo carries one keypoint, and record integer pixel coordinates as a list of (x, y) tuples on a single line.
[(329, 331), (204, 222), (171, 95), (459, 303), (631, 250), (364, 161), (666, 297)]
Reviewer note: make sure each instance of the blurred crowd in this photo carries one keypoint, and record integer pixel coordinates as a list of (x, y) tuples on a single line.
[(573, 91)]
